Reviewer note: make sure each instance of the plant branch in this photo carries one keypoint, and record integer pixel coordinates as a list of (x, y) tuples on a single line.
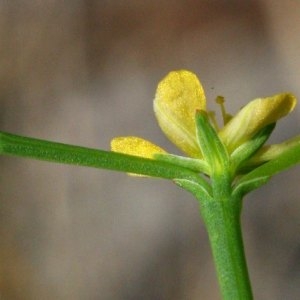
[(16, 145)]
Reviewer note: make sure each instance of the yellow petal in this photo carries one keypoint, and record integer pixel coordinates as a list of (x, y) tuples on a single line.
[(177, 98), (135, 146), (254, 116)]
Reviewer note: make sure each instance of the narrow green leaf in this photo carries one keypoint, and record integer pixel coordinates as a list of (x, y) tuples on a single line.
[(246, 150), (202, 190), (194, 164), (246, 186), (288, 158), (269, 152), (75, 155)]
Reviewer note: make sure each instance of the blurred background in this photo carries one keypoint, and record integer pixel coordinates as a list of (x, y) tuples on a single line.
[(84, 71)]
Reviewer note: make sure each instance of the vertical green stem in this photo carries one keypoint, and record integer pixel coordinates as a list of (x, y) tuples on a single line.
[(222, 220)]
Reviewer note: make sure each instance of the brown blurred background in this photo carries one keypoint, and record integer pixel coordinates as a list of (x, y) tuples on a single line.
[(84, 71)]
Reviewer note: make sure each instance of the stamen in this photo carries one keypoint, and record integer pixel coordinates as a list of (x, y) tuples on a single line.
[(226, 117), (212, 116)]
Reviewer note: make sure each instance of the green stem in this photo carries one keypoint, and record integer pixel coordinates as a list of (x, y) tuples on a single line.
[(11, 144), (222, 220)]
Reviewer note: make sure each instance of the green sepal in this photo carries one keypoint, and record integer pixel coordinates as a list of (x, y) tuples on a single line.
[(249, 148), (212, 148)]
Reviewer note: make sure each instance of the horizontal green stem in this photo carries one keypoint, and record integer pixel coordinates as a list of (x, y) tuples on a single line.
[(11, 144)]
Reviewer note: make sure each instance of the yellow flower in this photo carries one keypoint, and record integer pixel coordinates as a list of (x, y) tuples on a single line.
[(179, 95)]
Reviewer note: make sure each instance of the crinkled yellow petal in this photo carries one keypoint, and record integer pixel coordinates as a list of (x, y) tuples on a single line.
[(254, 116), (177, 98), (135, 146)]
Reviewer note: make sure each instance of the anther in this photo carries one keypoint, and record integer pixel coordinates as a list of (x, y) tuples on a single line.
[(226, 117)]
